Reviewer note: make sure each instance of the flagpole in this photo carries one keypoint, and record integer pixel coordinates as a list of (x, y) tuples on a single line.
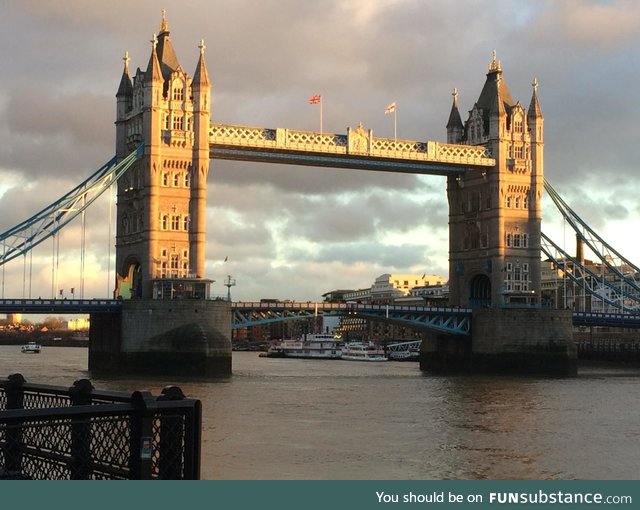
[(395, 125), (320, 114)]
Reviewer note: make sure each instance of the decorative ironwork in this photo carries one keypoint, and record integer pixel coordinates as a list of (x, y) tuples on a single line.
[(53, 433), (247, 143), (447, 320)]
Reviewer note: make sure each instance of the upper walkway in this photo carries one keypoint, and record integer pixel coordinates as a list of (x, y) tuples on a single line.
[(358, 149)]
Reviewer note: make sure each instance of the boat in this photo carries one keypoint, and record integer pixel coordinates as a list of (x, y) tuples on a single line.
[(360, 351), (31, 347), (310, 346), (410, 355)]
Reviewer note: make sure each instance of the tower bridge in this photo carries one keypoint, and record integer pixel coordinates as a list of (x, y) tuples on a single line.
[(493, 163)]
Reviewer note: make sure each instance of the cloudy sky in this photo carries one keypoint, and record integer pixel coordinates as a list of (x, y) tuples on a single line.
[(292, 232)]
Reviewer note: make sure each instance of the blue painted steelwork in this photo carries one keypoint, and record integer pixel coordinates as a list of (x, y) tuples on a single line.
[(617, 320), (60, 305), (586, 279), (608, 255), (455, 321), (23, 237)]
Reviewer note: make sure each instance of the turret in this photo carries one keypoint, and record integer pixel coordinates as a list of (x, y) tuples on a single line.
[(455, 127), (201, 92), (124, 104)]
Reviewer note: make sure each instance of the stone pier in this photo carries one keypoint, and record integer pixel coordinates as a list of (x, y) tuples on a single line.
[(506, 340), (168, 337)]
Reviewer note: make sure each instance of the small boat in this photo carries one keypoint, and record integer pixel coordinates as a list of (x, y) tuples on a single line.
[(310, 346), (358, 351), (31, 347)]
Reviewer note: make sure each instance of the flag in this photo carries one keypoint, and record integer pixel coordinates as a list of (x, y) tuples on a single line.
[(391, 108), (315, 99)]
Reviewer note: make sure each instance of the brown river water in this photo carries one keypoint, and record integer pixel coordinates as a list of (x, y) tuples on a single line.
[(344, 420)]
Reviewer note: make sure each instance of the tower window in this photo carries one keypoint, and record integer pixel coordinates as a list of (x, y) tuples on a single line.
[(185, 223), (178, 94), (517, 126), (165, 222), (178, 122), (176, 180), (175, 223)]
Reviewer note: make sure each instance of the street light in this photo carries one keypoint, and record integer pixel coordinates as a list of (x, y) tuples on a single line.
[(229, 282)]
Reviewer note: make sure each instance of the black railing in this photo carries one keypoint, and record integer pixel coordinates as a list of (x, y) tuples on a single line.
[(79, 433)]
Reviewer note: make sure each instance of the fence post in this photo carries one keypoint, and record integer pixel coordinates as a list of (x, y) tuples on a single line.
[(141, 434), (172, 447), (13, 446), (81, 463)]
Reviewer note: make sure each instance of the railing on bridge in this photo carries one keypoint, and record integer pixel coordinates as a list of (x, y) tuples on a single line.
[(77, 433), (60, 305), (357, 149)]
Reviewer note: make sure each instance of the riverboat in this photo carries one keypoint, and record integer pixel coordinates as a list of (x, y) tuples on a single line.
[(310, 346), (359, 351), (31, 347)]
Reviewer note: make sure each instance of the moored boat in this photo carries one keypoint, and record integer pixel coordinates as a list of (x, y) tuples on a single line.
[(358, 351), (310, 346), (31, 347)]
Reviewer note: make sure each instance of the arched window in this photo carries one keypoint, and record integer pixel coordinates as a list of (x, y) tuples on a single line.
[(176, 179), (165, 179), (165, 222), (185, 223), (509, 202), (509, 240)]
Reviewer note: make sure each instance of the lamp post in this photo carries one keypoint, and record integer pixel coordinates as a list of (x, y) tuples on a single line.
[(229, 282)]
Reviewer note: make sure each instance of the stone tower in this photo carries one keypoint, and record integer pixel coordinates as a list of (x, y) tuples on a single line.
[(160, 233), (495, 214)]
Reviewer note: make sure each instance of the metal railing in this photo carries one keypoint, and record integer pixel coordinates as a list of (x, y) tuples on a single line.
[(78, 433)]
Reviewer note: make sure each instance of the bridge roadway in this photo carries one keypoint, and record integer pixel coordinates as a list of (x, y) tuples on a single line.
[(251, 313)]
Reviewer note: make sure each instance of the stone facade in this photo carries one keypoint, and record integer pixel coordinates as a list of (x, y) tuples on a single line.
[(162, 199), (495, 214)]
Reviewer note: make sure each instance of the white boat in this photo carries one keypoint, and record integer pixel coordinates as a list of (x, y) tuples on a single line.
[(31, 347), (323, 346), (358, 351)]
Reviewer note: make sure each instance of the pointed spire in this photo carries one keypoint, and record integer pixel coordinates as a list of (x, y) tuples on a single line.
[(153, 68), (126, 87), (534, 105), (201, 76), (455, 121)]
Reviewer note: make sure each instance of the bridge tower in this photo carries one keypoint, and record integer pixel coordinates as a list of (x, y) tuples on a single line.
[(160, 233), (495, 214), (167, 324)]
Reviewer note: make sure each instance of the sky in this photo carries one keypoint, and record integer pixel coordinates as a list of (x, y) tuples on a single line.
[(297, 232)]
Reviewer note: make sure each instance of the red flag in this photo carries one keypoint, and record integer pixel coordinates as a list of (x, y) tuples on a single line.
[(315, 99), (391, 108)]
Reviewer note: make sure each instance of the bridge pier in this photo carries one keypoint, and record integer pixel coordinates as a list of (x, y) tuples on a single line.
[(168, 337), (506, 340)]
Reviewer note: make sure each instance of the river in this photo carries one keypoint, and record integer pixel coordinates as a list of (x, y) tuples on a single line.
[(339, 420)]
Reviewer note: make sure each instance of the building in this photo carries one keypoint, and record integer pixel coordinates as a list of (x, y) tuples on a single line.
[(160, 233), (495, 213)]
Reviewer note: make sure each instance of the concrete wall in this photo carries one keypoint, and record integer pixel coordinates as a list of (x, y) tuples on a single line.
[(176, 337)]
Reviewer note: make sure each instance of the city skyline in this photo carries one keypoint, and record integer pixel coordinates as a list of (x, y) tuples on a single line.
[(292, 232)]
